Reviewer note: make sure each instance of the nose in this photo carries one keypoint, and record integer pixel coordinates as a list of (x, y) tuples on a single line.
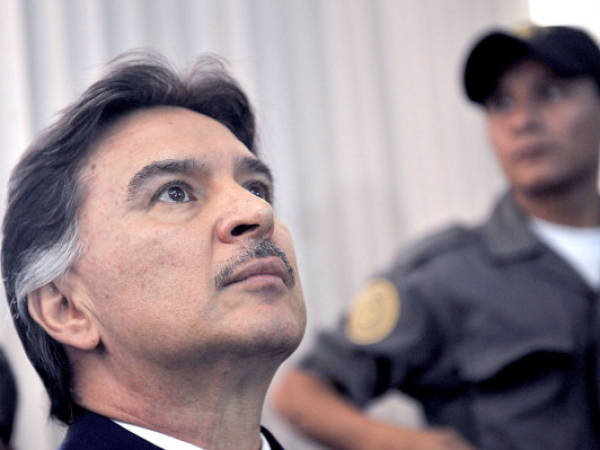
[(525, 117), (245, 216)]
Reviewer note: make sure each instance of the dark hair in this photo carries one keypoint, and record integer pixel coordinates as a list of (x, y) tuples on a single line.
[(41, 239), (8, 400)]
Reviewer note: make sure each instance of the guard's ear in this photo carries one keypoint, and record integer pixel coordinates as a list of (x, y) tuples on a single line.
[(63, 319)]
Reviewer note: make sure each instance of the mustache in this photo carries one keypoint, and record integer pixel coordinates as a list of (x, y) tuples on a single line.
[(261, 249)]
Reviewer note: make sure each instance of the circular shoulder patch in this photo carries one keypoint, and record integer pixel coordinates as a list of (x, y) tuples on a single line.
[(375, 313)]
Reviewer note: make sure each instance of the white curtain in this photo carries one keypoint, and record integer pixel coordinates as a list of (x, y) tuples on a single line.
[(361, 111)]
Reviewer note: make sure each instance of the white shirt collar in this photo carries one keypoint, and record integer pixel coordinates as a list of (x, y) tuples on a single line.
[(578, 246), (168, 442)]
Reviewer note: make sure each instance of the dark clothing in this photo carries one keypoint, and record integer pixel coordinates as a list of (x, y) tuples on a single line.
[(498, 337), (275, 445), (91, 431)]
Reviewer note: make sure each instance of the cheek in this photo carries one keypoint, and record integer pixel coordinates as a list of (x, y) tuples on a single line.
[(499, 139), (155, 268), (283, 238), (581, 126)]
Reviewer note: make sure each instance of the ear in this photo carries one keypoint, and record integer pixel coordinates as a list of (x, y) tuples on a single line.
[(62, 318)]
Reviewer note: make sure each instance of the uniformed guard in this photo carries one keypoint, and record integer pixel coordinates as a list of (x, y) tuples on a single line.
[(493, 329)]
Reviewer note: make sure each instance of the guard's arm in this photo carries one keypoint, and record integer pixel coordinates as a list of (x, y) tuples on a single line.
[(318, 411)]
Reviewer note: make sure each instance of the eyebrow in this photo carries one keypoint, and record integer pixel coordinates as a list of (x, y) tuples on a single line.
[(166, 166), (253, 165)]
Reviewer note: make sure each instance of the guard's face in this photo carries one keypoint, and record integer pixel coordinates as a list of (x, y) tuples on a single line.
[(545, 129), (175, 210)]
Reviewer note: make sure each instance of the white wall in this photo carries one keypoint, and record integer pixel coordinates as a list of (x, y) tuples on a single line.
[(361, 112)]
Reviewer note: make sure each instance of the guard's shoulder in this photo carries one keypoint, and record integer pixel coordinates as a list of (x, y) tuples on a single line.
[(450, 239)]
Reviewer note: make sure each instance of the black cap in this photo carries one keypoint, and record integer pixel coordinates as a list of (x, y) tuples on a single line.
[(569, 52)]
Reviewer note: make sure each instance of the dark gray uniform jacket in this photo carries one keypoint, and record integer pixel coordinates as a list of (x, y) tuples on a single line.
[(498, 337)]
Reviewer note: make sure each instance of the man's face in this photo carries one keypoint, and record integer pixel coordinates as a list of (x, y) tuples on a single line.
[(545, 129), (174, 224)]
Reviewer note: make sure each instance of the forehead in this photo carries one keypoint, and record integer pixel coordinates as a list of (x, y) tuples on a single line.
[(526, 69), (161, 133)]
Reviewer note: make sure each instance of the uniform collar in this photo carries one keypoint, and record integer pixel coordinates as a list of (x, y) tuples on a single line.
[(509, 239), (506, 234)]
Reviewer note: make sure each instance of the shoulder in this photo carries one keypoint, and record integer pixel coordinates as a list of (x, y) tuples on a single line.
[(450, 243), (415, 289)]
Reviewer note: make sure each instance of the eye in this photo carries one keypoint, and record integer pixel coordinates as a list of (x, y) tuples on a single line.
[(174, 192), (261, 190), (499, 103), (552, 91)]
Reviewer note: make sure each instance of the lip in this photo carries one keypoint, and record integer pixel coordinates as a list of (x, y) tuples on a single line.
[(531, 151), (262, 270)]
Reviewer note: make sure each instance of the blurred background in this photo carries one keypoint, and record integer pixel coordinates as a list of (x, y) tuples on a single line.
[(361, 114)]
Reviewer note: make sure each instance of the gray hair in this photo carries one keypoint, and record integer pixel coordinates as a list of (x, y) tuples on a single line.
[(42, 266)]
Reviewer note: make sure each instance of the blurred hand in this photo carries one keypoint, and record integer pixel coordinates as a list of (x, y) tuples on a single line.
[(318, 411), (388, 437)]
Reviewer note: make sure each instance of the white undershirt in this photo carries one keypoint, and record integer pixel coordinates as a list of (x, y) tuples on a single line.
[(169, 442), (578, 246)]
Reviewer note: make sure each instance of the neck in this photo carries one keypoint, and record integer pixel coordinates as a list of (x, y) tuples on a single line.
[(216, 407), (571, 207)]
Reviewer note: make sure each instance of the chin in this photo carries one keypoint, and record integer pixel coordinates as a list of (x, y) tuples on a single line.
[(280, 338), (265, 324), (274, 338), (549, 186)]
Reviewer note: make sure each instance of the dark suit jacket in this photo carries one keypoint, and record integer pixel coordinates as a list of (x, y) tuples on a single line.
[(91, 431)]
